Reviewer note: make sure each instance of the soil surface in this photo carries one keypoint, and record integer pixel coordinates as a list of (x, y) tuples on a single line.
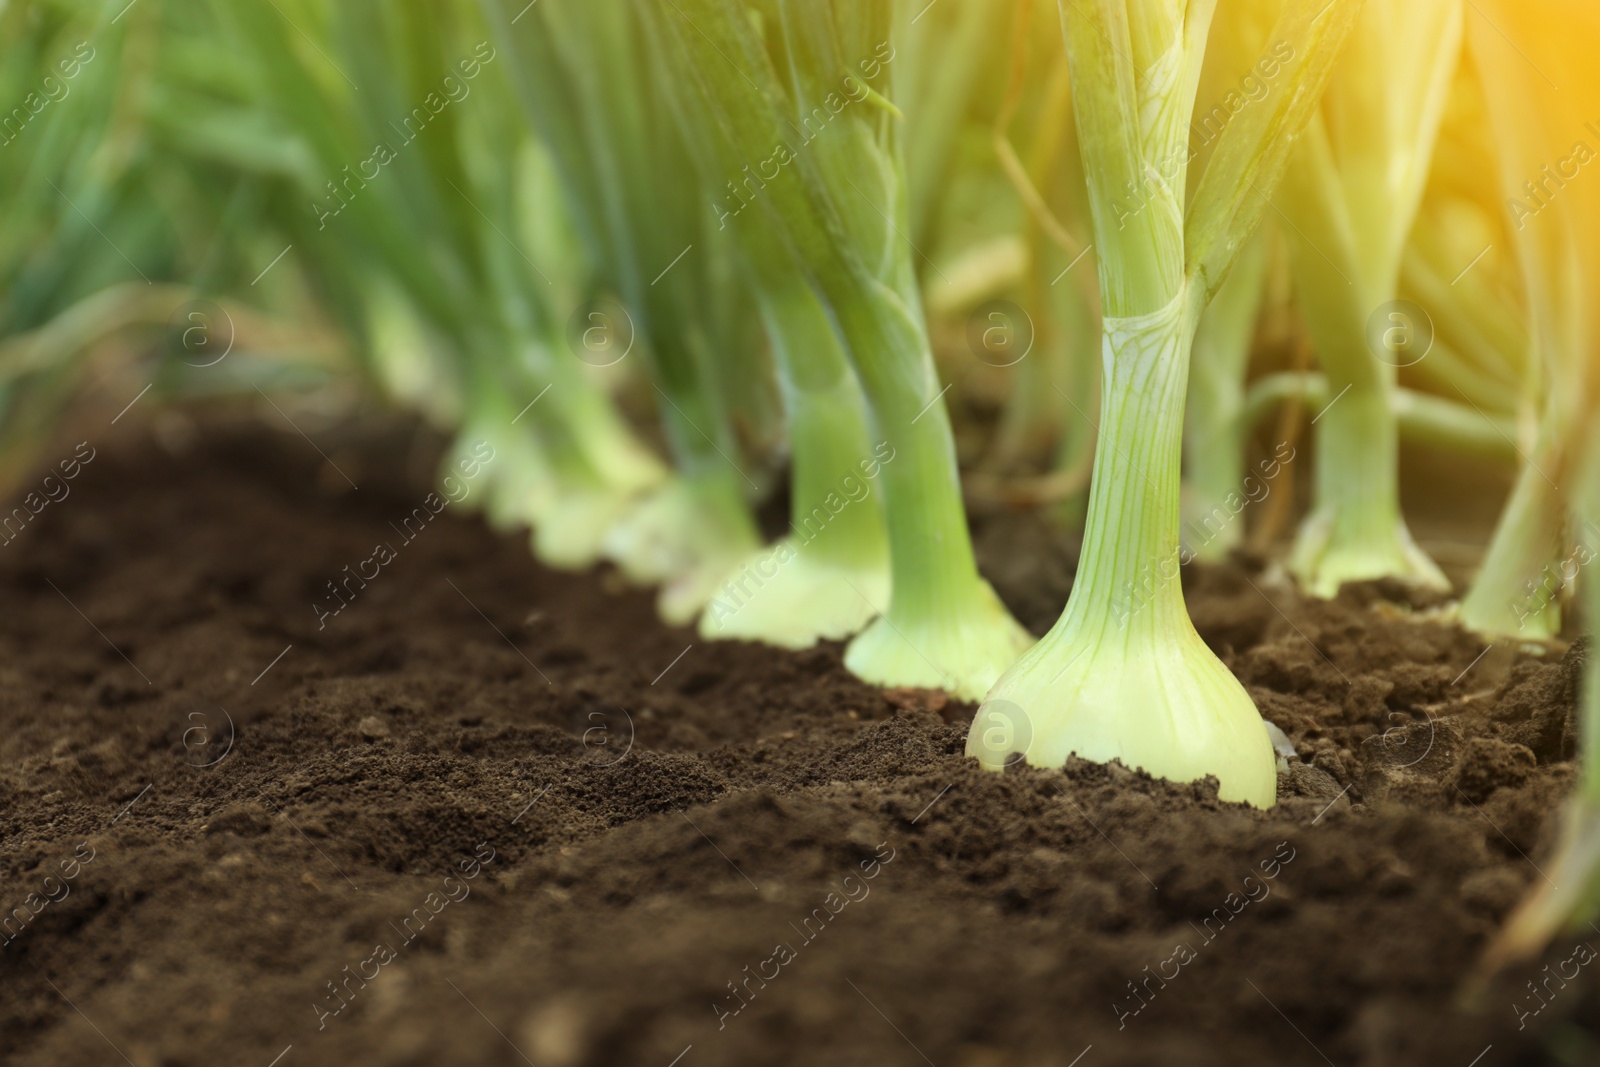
[(491, 814)]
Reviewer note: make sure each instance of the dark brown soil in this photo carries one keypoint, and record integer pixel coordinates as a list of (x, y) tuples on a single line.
[(695, 854)]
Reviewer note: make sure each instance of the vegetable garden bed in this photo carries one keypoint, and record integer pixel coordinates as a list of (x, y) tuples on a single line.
[(766, 820)]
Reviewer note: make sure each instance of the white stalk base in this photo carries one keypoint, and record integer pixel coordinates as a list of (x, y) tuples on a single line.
[(786, 597), (1321, 563), (962, 652), (687, 534), (1170, 708)]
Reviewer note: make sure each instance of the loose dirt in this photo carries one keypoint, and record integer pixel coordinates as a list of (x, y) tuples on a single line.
[(492, 814)]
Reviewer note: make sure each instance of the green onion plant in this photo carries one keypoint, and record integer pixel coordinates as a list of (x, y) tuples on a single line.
[(1349, 201), (1121, 676)]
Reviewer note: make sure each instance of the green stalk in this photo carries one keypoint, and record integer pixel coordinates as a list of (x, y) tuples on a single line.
[(947, 53), (822, 581), (934, 572), (1052, 392), (828, 426), (1215, 433), (405, 359), (943, 627), (589, 423), (1481, 330), (1589, 710), (1355, 531), (1130, 542), (520, 487), (1518, 590), (1078, 327), (599, 467), (1423, 418), (1449, 374)]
